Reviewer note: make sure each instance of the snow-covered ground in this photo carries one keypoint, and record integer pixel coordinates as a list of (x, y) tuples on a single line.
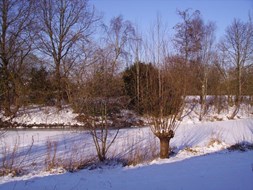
[(202, 158), (229, 171)]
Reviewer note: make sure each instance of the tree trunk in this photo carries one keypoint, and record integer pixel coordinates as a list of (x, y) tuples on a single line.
[(201, 105), (7, 101), (164, 147), (239, 92), (220, 104), (58, 86), (101, 157), (239, 85), (138, 85), (6, 92)]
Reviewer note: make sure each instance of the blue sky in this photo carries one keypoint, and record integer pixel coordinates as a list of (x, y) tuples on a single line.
[(144, 12)]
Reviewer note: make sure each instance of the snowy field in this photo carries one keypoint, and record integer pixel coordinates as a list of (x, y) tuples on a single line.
[(202, 159)]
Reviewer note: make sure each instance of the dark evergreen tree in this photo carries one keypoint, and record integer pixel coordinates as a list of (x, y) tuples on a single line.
[(141, 95), (40, 87)]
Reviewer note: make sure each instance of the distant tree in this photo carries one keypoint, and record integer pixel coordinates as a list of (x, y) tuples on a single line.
[(62, 25), (195, 41), (119, 34), (216, 86), (188, 35), (249, 83), (16, 40), (187, 41), (238, 47), (224, 71), (40, 86), (206, 58)]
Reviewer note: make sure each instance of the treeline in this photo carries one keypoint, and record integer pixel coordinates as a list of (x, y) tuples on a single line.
[(61, 52)]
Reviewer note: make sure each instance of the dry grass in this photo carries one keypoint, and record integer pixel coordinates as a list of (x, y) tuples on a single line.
[(214, 141), (71, 159), (73, 165), (216, 118), (136, 156), (51, 161), (141, 153), (191, 150), (76, 159), (12, 163)]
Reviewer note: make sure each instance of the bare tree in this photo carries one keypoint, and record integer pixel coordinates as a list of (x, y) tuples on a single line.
[(187, 43), (206, 57), (194, 41), (15, 46), (165, 101), (101, 130), (120, 33), (101, 104), (104, 87), (238, 45), (185, 40), (63, 24), (223, 68)]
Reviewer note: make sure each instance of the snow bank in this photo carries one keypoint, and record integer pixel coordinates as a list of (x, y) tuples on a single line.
[(45, 115), (51, 115), (232, 171)]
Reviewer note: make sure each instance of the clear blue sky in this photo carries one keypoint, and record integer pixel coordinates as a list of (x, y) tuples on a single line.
[(143, 12)]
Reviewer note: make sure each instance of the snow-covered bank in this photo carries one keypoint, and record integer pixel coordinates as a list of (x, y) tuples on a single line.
[(52, 116), (230, 171), (44, 115)]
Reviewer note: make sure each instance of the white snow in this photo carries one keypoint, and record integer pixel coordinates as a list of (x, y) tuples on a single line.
[(45, 115), (51, 115), (230, 171), (201, 159)]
